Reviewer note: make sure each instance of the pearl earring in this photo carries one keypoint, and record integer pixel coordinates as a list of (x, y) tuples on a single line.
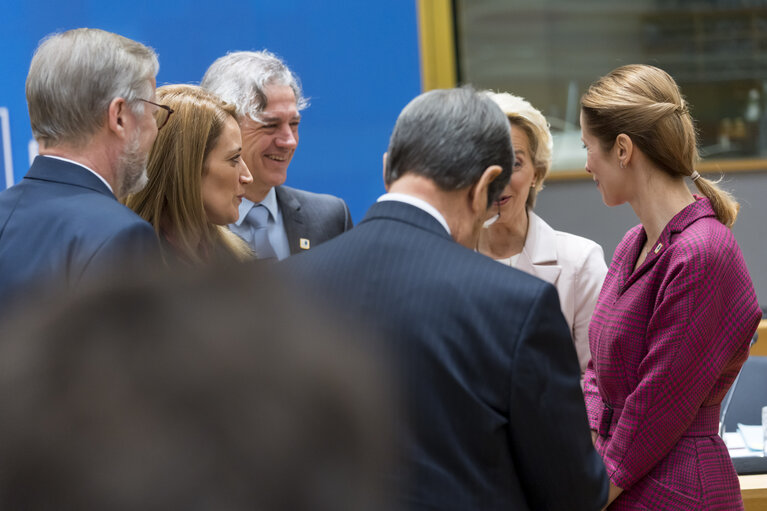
[(621, 164)]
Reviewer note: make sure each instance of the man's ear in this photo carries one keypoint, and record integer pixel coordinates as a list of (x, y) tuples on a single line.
[(117, 116), (478, 192), (625, 149), (386, 185)]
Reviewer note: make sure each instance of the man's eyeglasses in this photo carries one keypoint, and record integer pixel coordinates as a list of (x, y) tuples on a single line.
[(161, 115)]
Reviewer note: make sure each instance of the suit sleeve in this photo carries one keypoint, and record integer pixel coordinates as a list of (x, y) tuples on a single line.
[(594, 403), (550, 439), (588, 283), (347, 216), (129, 251), (699, 330)]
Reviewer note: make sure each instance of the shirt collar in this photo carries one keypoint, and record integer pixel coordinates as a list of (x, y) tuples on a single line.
[(419, 203), (83, 166), (269, 202)]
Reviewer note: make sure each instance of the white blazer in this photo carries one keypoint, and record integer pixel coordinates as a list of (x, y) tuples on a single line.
[(576, 267)]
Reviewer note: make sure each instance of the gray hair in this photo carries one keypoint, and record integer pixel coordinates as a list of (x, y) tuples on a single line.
[(451, 137), (240, 78), (75, 75)]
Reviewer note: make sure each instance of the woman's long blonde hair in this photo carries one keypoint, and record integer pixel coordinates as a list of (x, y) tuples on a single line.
[(645, 103), (172, 199)]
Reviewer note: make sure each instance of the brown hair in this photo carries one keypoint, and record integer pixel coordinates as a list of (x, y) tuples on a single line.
[(645, 103), (172, 199), (225, 395)]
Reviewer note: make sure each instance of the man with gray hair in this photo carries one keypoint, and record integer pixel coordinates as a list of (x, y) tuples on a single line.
[(275, 220), (495, 417), (91, 105)]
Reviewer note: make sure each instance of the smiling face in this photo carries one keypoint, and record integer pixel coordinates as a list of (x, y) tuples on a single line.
[(225, 176), (513, 199), (269, 145), (604, 166)]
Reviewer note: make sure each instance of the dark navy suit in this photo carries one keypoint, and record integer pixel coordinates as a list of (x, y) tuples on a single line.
[(490, 379), (61, 225)]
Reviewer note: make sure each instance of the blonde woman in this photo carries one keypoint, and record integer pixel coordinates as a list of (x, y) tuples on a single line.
[(196, 178), (521, 239), (677, 310)]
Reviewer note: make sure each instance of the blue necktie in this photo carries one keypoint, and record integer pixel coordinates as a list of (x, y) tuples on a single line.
[(258, 218)]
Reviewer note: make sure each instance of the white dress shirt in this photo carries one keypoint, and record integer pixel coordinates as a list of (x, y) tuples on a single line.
[(83, 166), (419, 203)]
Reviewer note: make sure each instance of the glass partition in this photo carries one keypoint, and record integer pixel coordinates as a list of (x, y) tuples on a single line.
[(549, 51)]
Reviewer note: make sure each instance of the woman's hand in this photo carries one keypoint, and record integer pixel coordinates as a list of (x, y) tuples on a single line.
[(614, 490), (612, 495)]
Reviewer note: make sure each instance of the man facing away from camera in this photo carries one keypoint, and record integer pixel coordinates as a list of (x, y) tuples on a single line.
[(495, 417), (91, 105)]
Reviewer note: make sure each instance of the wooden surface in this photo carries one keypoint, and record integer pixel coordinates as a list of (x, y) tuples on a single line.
[(760, 348), (754, 491)]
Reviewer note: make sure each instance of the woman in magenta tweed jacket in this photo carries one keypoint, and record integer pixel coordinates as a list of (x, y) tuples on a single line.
[(677, 310)]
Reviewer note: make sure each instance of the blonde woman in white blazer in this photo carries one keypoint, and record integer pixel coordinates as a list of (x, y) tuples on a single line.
[(520, 238)]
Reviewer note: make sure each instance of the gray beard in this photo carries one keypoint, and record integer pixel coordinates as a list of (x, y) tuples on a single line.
[(131, 169)]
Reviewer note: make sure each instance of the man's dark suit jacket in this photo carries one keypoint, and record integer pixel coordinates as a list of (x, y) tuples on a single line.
[(61, 225), (496, 417), (311, 216)]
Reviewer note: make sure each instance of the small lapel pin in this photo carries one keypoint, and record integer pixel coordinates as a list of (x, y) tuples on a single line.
[(304, 243), (658, 247)]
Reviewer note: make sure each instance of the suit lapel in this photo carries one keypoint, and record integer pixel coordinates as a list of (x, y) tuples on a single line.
[(539, 256), (292, 218)]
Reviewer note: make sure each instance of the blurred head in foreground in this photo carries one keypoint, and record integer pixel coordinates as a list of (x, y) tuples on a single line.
[(220, 390)]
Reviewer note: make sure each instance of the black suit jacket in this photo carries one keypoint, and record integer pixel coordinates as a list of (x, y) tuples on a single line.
[(311, 216), (495, 414)]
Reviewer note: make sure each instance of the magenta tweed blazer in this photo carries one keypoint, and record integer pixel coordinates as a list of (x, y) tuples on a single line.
[(667, 341)]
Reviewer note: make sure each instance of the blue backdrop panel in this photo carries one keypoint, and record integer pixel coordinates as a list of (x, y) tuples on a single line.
[(358, 63)]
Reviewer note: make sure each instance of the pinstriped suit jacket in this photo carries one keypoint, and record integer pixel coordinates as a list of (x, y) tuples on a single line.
[(667, 341), (495, 415)]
